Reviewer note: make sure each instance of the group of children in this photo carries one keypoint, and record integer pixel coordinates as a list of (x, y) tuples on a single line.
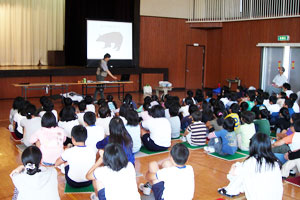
[(71, 139)]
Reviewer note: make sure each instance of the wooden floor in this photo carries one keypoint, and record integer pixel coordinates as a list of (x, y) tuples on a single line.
[(210, 172)]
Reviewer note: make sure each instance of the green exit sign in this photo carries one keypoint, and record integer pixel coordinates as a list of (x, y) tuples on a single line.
[(283, 38)]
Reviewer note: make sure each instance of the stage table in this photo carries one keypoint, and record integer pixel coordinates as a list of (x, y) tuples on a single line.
[(25, 87)]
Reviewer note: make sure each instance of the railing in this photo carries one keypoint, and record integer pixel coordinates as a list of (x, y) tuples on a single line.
[(240, 10)]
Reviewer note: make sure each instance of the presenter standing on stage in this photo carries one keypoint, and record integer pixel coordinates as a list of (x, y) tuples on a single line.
[(101, 73)]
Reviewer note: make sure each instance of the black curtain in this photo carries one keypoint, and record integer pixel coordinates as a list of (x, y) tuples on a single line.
[(77, 11)]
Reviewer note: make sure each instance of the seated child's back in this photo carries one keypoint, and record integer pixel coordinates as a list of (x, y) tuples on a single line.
[(246, 131)]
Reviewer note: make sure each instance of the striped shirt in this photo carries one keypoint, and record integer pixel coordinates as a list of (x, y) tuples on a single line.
[(198, 132)]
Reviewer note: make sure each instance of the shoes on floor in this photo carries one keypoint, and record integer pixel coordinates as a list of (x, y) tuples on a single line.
[(209, 149), (146, 188), (223, 192), (93, 196)]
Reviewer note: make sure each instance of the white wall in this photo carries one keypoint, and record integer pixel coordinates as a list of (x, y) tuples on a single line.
[(165, 8)]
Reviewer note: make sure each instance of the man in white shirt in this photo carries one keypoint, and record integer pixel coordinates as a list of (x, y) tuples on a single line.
[(277, 82)]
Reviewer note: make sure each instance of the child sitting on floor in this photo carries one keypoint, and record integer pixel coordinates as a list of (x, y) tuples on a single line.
[(184, 110), (223, 142), (156, 132), (245, 131), (78, 160), (186, 121), (89, 104), (18, 117), (283, 123), (67, 121), (49, 139), (18, 101), (32, 181), (104, 115), (95, 133), (116, 172), (259, 176), (234, 114), (174, 120), (196, 133), (262, 124), (134, 129), (48, 106), (81, 109), (174, 170), (111, 103)]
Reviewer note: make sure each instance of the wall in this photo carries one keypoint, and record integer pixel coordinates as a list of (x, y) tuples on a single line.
[(165, 8), (230, 52), (163, 45)]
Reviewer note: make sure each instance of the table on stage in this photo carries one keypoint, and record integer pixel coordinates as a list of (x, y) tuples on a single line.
[(25, 87)]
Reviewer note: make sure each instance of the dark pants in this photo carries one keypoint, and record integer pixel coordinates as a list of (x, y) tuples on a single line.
[(150, 145), (99, 88), (73, 183), (217, 145)]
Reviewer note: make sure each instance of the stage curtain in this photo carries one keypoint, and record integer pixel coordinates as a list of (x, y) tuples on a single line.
[(28, 29)]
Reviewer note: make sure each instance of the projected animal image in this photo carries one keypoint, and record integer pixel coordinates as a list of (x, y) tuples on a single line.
[(109, 38)]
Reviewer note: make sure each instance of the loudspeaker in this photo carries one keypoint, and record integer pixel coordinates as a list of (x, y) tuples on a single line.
[(56, 58)]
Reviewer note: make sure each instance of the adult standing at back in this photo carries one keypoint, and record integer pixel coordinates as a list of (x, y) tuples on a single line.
[(101, 73), (277, 82)]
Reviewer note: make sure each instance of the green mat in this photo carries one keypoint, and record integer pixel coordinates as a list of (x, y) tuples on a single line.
[(193, 147), (235, 156), (146, 151), (88, 189), (243, 152)]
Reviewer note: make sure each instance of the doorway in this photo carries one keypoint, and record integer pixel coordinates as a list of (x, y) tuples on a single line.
[(194, 68)]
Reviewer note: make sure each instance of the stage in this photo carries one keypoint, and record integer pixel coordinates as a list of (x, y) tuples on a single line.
[(10, 75)]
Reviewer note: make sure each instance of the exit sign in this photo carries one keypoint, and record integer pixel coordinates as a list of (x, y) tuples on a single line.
[(283, 38)]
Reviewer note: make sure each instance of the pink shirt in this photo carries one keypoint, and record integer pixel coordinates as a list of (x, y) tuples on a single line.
[(51, 140)]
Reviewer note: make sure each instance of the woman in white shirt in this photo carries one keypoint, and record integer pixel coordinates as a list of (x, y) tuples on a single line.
[(259, 176)]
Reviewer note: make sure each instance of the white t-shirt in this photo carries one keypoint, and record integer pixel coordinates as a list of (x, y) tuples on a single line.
[(135, 133), (167, 113), (42, 185), (160, 131), (12, 114), (18, 118), (267, 103), (124, 120), (225, 100), (279, 80), (175, 126), (124, 180), (80, 118), (30, 126), (274, 108), (53, 111), (184, 110), (104, 123), (80, 160), (94, 135), (296, 107), (179, 182), (90, 107), (266, 185), (67, 126), (288, 93)]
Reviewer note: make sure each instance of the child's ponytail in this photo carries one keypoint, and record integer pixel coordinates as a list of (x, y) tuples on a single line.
[(31, 158)]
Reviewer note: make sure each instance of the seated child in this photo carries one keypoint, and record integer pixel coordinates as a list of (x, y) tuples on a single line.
[(89, 104), (258, 106), (30, 124), (291, 162), (294, 98), (288, 103), (116, 172), (196, 133), (134, 130), (291, 129), (262, 124), (288, 143), (251, 103), (68, 119), (49, 139), (18, 101), (154, 100), (95, 133), (190, 94), (33, 181), (246, 130), (119, 135), (199, 97), (156, 132), (184, 110), (234, 114), (165, 181), (78, 160), (68, 103), (128, 100), (80, 114), (209, 95), (266, 101), (18, 117), (233, 99), (48, 106), (258, 176), (286, 87), (223, 142), (174, 120), (281, 97), (217, 123), (111, 103), (186, 121), (244, 106), (124, 108), (105, 117), (274, 107), (283, 123)]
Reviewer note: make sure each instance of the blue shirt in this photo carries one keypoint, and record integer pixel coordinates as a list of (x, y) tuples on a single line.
[(130, 156), (229, 141)]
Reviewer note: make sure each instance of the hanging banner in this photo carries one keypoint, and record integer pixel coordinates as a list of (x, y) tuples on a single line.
[(279, 65), (293, 64)]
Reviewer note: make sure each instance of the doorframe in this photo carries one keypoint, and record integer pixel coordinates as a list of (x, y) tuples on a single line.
[(203, 64)]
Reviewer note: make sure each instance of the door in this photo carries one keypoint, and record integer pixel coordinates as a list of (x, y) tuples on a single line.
[(194, 67)]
